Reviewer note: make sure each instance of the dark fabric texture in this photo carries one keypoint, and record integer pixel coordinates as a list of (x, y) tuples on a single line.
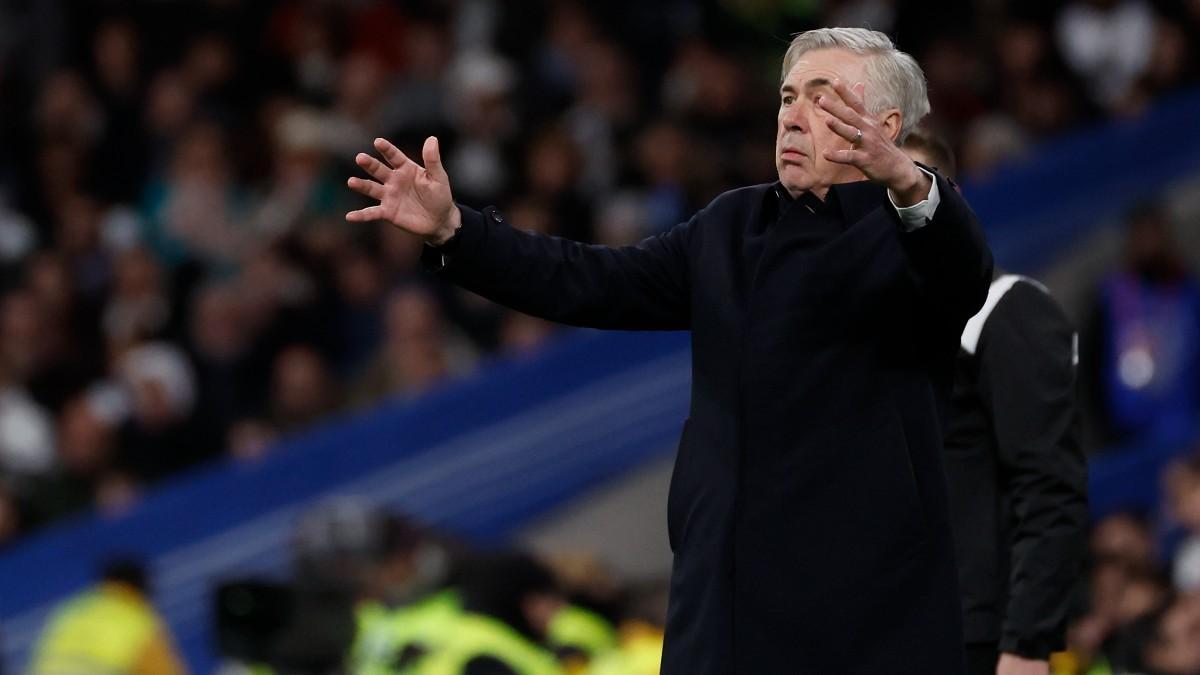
[(807, 508), (982, 658), (1017, 476)]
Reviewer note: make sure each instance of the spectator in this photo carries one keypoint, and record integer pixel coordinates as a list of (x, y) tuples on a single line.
[(1174, 645), (1146, 338), (418, 348), (10, 517), (110, 628), (1108, 43), (301, 390), (159, 436), (1183, 499)]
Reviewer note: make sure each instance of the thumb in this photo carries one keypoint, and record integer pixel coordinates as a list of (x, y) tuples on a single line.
[(432, 156)]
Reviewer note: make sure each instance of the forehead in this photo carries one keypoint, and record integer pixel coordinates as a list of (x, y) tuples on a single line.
[(826, 64)]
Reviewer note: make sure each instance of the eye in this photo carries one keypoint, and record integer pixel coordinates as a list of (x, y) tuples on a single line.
[(789, 99)]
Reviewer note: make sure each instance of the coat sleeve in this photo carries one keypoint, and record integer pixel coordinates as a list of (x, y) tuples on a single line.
[(949, 257), (1027, 383), (639, 287)]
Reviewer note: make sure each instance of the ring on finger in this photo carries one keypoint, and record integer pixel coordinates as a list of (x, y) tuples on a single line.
[(857, 137)]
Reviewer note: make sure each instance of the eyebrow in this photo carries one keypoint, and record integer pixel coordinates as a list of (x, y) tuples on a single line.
[(815, 83)]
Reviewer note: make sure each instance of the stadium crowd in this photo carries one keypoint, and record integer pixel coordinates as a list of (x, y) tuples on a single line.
[(178, 282)]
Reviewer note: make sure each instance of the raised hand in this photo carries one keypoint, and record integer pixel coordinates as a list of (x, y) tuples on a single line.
[(871, 150), (413, 198)]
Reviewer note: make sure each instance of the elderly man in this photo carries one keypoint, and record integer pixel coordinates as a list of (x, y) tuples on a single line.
[(807, 511)]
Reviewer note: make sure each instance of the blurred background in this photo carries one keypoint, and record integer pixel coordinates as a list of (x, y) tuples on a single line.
[(281, 431)]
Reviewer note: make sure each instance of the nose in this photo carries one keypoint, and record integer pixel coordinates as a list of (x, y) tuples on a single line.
[(794, 118)]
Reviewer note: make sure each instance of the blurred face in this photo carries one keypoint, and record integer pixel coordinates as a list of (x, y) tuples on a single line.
[(540, 609), (218, 329), (802, 134), (300, 384), (83, 438), (412, 314), (1120, 537), (1178, 649)]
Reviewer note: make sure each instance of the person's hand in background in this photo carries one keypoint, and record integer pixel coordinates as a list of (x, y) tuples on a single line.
[(1011, 664)]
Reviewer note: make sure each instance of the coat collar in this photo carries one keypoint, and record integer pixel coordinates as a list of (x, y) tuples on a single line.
[(853, 200)]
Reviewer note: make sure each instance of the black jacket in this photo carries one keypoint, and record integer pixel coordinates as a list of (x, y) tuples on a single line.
[(807, 507), (1016, 471)]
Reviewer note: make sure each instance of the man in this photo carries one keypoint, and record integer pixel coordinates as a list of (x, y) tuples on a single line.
[(508, 603), (1015, 468), (807, 510), (111, 628)]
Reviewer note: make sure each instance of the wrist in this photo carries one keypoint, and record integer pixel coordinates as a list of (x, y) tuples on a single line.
[(447, 231), (913, 189)]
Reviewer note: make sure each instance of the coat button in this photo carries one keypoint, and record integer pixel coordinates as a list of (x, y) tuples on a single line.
[(496, 216)]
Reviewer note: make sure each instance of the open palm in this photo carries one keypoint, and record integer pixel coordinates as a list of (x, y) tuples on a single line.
[(413, 198)]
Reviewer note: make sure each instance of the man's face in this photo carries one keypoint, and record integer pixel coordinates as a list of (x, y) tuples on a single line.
[(802, 134)]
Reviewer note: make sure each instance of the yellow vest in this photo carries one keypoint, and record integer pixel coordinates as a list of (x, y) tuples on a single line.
[(477, 636), (640, 653), (580, 629), (104, 631), (384, 633)]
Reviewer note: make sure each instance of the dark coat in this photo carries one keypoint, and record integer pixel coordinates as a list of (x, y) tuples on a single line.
[(807, 508), (1016, 471)]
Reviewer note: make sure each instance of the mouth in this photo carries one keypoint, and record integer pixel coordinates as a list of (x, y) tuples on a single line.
[(791, 155)]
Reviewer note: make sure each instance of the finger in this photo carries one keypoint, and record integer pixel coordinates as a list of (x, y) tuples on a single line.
[(851, 97), (846, 131), (837, 108), (852, 157), (376, 168), (366, 187), (365, 215), (432, 155), (391, 153)]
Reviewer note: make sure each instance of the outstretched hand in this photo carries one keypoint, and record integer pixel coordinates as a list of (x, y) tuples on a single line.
[(413, 198), (871, 150)]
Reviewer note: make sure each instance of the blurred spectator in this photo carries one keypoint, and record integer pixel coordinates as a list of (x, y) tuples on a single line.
[(509, 600), (250, 439), (1126, 590), (193, 211), (10, 517), (1145, 369), (1174, 644), (138, 307), (404, 606), (418, 348), (1108, 43), (110, 628), (482, 112), (160, 435), (1183, 499), (1125, 538), (301, 389), (228, 377), (26, 435)]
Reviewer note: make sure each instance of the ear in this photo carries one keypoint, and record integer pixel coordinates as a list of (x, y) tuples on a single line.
[(890, 123)]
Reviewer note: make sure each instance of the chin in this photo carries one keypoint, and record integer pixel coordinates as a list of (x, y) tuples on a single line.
[(795, 181)]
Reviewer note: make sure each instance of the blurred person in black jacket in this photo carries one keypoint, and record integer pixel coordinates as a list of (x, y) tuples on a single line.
[(1016, 473)]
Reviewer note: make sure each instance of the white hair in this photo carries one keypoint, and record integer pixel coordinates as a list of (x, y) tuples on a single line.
[(894, 78)]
